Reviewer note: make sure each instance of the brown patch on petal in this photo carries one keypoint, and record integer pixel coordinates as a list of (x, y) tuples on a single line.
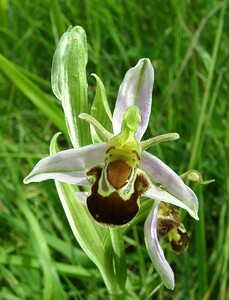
[(164, 226), (112, 210), (92, 174), (112, 147), (182, 244), (142, 183), (118, 172), (136, 153), (93, 171)]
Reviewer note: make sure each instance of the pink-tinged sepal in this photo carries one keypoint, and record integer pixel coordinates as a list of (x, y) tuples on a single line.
[(136, 89), (69, 165), (167, 186), (154, 249)]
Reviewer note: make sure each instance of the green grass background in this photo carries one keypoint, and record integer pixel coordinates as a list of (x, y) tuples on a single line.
[(188, 43)]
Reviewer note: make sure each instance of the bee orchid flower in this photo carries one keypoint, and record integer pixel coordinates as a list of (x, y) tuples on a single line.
[(119, 171)]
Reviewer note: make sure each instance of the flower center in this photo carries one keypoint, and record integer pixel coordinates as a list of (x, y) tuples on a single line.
[(118, 185)]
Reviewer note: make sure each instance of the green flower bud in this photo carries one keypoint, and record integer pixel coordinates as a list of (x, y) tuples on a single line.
[(69, 82)]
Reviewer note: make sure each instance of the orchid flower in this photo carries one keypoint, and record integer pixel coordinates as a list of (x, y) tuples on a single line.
[(119, 171)]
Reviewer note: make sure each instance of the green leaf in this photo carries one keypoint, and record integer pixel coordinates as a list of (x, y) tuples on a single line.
[(119, 256), (32, 91), (53, 289), (57, 19)]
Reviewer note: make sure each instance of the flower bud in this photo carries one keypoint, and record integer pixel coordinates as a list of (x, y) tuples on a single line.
[(69, 82)]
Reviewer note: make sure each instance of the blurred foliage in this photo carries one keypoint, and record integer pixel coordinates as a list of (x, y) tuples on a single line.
[(180, 38)]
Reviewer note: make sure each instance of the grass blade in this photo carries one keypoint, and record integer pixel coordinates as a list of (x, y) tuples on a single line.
[(30, 90)]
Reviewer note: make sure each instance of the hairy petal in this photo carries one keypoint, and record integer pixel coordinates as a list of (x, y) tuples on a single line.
[(69, 165), (154, 249), (164, 179), (136, 89)]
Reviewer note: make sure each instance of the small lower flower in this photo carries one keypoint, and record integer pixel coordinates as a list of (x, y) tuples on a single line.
[(169, 225), (119, 171)]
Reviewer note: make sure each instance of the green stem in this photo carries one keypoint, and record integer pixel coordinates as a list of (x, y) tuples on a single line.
[(119, 257), (200, 236), (116, 296)]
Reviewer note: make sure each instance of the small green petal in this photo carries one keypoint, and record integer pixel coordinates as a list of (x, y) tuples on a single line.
[(106, 135), (159, 139), (100, 109)]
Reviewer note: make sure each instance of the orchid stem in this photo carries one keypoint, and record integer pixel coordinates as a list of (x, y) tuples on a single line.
[(116, 297), (119, 257)]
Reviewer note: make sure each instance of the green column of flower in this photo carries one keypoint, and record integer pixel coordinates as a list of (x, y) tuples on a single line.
[(69, 82)]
